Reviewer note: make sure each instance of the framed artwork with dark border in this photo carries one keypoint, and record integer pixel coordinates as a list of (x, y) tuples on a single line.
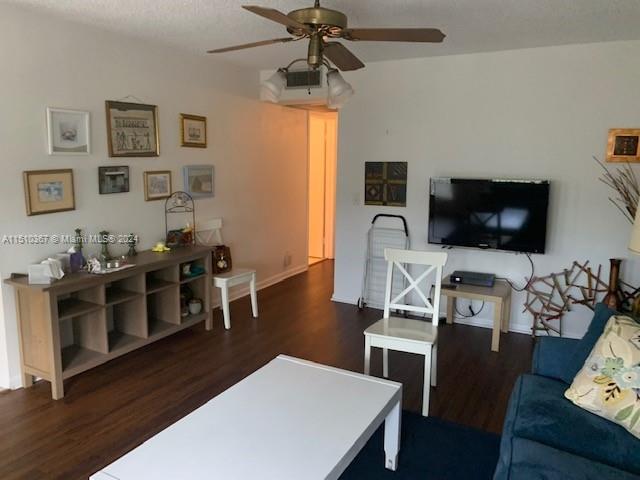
[(623, 145), (132, 129), (157, 185), (113, 179), (385, 183), (48, 191), (193, 131)]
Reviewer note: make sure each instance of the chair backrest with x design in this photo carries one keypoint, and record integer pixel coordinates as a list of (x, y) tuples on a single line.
[(400, 260), (209, 232)]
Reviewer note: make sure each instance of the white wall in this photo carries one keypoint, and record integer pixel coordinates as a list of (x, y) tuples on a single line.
[(259, 151), (538, 113), (323, 150)]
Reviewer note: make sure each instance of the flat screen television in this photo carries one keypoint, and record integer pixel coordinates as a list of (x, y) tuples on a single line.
[(498, 214)]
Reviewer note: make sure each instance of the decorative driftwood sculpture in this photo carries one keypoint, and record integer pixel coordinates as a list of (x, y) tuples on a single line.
[(625, 183), (551, 296)]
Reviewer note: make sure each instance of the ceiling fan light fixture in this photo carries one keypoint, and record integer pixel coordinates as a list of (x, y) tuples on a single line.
[(339, 90), (271, 89)]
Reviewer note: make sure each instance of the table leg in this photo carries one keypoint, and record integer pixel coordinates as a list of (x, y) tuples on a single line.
[(451, 309), (367, 354), (208, 323), (426, 389), (57, 388), (506, 314), (254, 296), (385, 363), (497, 320), (224, 299), (392, 437), (434, 365)]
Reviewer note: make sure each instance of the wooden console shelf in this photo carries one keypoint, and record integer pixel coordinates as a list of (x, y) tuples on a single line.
[(106, 315)]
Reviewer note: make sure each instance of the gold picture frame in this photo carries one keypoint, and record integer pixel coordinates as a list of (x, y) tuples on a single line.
[(157, 185), (48, 191), (193, 131), (132, 129), (623, 145)]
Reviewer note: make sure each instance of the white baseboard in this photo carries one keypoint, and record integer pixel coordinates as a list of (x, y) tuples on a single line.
[(350, 301), (235, 294), (15, 382), (488, 323), (474, 322)]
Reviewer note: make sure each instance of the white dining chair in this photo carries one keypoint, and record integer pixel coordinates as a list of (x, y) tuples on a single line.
[(209, 233), (406, 334)]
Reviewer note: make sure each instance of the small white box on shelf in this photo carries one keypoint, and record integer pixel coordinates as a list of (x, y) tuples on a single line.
[(46, 271), (38, 274)]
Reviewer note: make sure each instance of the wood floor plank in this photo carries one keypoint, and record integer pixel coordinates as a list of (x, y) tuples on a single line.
[(115, 407)]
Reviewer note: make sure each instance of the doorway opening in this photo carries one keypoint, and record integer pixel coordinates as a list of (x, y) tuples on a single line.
[(323, 154)]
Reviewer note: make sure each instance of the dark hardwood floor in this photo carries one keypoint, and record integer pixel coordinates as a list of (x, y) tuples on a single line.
[(109, 410)]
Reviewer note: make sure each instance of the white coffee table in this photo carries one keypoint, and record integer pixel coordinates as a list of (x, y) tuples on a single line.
[(291, 419)]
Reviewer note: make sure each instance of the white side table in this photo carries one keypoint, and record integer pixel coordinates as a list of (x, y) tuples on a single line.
[(237, 276), (499, 294)]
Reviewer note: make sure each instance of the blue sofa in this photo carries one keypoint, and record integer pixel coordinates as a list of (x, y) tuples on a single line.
[(545, 436)]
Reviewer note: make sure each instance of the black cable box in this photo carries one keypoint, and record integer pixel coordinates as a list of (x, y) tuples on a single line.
[(478, 279)]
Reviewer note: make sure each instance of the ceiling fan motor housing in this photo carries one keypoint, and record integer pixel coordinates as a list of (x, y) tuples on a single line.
[(330, 21)]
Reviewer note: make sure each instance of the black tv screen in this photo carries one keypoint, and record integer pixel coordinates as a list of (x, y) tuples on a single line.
[(498, 214)]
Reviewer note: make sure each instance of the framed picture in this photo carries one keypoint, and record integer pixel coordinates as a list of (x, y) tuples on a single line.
[(193, 130), (48, 191), (113, 179), (623, 145), (132, 129), (157, 185), (68, 132), (198, 180), (385, 183)]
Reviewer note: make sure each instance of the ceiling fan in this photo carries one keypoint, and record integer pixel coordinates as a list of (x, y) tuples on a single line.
[(320, 25)]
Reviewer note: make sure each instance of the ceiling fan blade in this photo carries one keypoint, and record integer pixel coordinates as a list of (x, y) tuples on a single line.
[(276, 16), (341, 56), (431, 35), (251, 45)]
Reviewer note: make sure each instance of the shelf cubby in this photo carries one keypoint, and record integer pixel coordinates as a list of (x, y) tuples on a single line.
[(199, 288), (127, 319), (90, 343), (157, 327), (80, 303), (73, 307), (164, 306), (195, 263), (125, 290), (158, 280), (76, 359), (123, 342)]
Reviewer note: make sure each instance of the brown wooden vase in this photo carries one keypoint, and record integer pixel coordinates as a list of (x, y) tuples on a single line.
[(612, 298)]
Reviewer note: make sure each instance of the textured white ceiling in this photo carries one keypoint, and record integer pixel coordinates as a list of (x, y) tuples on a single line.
[(470, 25)]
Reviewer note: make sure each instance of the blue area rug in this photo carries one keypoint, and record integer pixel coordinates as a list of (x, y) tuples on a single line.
[(430, 449)]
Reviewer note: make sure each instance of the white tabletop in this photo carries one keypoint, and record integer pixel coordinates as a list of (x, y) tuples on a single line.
[(291, 419)]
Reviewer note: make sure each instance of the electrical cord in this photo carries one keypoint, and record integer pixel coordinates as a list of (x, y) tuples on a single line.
[(533, 271), (473, 314)]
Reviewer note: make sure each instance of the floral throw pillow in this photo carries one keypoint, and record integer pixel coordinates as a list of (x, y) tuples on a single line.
[(609, 383)]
